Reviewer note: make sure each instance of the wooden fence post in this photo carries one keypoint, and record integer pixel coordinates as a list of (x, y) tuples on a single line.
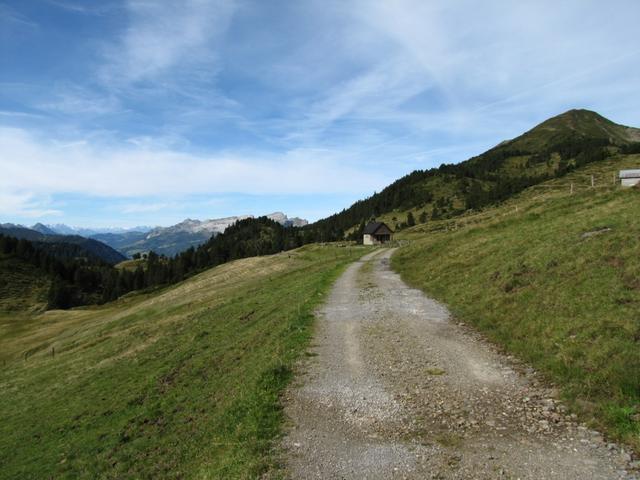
[(593, 183), (571, 188)]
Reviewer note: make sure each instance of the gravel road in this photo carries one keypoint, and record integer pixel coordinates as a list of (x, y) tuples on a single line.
[(393, 387)]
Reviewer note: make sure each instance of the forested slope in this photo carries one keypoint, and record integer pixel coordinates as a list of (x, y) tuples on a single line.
[(549, 150)]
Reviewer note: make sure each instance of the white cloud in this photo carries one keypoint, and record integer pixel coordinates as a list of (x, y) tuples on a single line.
[(23, 204), (11, 114), (381, 89), (163, 34), (48, 168)]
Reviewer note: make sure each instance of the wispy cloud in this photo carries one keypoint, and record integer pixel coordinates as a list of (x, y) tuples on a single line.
[(163, 35), (22, 204), (12, 114), (437, 68), (78, 167), (84, 8), (369, 95), (77, 100), (10, 16)]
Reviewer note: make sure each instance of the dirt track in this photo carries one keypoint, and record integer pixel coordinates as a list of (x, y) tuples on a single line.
[(395, 389)]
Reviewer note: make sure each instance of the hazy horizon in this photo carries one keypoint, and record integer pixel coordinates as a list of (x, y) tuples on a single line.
[(139, 225)]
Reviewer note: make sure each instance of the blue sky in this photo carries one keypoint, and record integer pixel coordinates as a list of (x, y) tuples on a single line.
[(122, 113)]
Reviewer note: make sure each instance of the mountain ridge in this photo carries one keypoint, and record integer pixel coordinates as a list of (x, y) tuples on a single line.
[(177, 238), (549, 149), (64, 229), (39, 227), (582, 122), (64, 246)]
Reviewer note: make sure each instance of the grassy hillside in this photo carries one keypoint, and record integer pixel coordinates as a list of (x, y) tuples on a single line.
[(551, 149), (132, 265), (555, 279), (583, 122), (22, 286), (183, 383)]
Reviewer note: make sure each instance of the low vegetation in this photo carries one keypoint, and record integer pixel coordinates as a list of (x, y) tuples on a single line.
[(180, 383), (553, 277)]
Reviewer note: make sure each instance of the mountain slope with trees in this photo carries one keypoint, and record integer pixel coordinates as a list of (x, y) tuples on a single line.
[(80, 280), (549, 150), (170, 241), (64, 246)]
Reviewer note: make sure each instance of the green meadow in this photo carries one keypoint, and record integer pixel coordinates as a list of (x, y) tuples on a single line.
[(178, 383)]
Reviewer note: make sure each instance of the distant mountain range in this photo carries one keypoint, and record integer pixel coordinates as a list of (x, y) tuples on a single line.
[(162, 240), (69, 246), (62, 229), (177, 238)]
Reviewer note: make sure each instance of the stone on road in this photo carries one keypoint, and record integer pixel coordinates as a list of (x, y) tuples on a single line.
[(393, 388)]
